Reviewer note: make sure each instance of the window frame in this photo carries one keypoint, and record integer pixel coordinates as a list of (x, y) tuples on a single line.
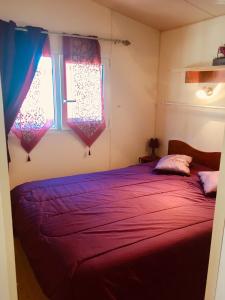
[(59, 103), (53, 95), (58, 91), (65, 101)]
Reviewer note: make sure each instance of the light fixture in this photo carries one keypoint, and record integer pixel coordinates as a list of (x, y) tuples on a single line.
[(205, 92)]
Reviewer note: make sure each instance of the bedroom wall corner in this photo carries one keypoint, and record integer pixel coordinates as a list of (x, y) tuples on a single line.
[(134, 96)]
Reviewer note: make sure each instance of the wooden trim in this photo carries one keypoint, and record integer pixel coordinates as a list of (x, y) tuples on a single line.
[(8, 287), (208, 159), (215, 277)]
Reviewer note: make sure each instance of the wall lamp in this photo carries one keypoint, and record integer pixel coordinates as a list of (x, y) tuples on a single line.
[(205, 92)]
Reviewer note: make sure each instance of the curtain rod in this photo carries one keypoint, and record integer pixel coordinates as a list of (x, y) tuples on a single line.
[(115, 41)]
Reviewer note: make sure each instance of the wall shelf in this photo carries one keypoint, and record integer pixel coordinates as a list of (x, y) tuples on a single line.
[(194, 105), (203, 74), (200, 69)]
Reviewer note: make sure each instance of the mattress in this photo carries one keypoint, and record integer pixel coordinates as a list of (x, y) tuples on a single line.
[(123, 234)]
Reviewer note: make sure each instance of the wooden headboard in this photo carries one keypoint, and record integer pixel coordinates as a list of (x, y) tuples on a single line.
[(208, 159)]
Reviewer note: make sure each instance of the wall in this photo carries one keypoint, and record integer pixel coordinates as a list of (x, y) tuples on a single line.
[(194, 45), (130, 91)]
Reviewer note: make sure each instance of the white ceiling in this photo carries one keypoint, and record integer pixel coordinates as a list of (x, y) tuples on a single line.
[(167, 14)]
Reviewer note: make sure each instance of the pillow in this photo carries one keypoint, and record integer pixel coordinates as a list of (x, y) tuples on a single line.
[(175, 163), (209, 180)]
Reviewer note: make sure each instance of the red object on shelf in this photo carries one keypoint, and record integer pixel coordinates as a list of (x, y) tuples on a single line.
[(205, 76), (221, 50)]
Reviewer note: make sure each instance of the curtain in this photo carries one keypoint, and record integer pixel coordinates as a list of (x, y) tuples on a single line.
[(20, 52), (82, 58), (37, 111)]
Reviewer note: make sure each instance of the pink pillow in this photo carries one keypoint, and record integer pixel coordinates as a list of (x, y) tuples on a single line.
[(175, 163), (209, 180)]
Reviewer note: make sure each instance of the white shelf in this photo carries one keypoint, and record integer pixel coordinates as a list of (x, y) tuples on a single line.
[(200, 68), (194, 105)]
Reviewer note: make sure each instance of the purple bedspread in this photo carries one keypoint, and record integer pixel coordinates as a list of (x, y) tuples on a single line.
[(118, 235)]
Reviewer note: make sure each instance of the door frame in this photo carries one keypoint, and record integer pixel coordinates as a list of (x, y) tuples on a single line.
[(213, 286), (8, 286)]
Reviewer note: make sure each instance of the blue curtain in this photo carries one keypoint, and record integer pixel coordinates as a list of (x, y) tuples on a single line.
[(20, 51)]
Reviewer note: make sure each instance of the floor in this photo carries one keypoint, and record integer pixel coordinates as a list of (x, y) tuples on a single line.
[(28, 288)]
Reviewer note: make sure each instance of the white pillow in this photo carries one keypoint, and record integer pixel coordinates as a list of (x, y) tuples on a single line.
[(175, 163), (209, 180)]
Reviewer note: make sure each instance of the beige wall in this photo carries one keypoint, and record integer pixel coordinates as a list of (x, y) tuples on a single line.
[(130, 91), (194, 45)]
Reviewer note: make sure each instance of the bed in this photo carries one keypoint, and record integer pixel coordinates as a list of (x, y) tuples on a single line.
[(123, 234)]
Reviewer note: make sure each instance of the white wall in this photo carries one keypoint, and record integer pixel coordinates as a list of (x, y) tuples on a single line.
[(194, 45), (130, 92)]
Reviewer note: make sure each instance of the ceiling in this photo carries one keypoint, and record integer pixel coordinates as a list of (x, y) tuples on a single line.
[(167, 14)]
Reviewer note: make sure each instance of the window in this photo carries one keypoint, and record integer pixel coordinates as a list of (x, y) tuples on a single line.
[(66, 92), (81, 109), (83, 85), (38, 107), (83, 89)]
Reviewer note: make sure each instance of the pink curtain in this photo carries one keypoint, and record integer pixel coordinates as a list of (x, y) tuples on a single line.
[(85, 56), (31, 125)]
